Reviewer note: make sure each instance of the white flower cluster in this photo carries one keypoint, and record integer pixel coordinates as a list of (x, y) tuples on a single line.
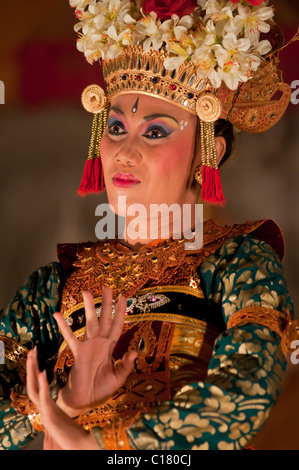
[(221, 37)]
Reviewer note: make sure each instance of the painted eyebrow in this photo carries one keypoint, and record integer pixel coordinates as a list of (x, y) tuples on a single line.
[(117, 110), (146, 118), (156, 116)]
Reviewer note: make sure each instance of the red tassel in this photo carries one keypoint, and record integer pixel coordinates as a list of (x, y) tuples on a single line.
[(218, 188), (93, 177), (211, 190)]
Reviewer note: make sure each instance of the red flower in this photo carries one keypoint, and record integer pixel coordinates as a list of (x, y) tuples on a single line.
[(166, 8), (255, 3)]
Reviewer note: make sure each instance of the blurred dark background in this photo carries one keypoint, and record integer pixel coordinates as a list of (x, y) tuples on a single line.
[(44, 138)]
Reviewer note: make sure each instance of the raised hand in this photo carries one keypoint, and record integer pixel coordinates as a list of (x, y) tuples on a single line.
[(61, 432), (92, 379)]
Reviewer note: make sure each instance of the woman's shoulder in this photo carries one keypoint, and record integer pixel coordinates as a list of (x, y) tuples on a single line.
[(266, 230)]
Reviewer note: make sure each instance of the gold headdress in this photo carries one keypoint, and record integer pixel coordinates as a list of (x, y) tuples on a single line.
[(212, 61)]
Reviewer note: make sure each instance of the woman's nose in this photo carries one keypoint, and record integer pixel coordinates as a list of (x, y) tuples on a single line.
[(128, 154)]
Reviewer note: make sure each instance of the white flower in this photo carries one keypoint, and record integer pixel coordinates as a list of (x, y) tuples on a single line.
[(149, 28), (263, 47), (86, 21), (201, 3), (216, 12), (231, 42), (232, 60), (205, 60), (252, 21), (94, 48), (204, 55), (178, 41), (172, 63), (224, 43), (122, 39), (79, 3)]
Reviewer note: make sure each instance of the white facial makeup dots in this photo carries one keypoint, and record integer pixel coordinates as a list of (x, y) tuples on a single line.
[(183, 124)]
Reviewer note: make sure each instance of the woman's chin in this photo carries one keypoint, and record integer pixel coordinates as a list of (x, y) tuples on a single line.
[(121, 203), (120, 199)]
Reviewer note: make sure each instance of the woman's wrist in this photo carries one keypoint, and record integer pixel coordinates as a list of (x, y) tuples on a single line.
[(62, 402)]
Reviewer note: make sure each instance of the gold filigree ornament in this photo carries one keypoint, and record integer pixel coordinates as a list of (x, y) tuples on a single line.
[(197, 174), (259, 103), (16, 353), (280, 322), (93, 99), (208, 107)]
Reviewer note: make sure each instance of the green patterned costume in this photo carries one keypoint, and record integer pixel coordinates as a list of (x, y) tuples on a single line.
[(244, 375)]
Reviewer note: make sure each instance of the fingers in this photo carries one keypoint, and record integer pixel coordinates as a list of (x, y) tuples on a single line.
[(119, 318), (107, 326), (106, 311), (32, 370), (125, 367), (45, 399), (59, 427), (92, 323), (112, 327), (67, 332)]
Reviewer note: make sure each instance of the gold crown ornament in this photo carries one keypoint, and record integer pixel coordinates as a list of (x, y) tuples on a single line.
[(213, 58)]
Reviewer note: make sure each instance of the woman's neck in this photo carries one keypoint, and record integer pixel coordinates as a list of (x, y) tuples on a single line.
[(177, 224)]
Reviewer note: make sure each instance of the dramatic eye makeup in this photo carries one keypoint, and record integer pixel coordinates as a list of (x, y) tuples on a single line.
[(154, 127), (158, 128), (116, 126), (157, 131)]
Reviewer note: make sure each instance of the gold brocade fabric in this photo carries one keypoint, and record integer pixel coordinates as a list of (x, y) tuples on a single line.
[(174, 348), (281, 323), (167, 263)]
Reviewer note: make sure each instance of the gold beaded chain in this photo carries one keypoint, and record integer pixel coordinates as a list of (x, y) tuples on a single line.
[(97, 130), (208, 147)]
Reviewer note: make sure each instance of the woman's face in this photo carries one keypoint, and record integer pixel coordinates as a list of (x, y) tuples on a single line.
[(147, 151)]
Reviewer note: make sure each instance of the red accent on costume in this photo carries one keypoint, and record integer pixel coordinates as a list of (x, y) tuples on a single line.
[(166, 8), (211, 191), (93, 177)]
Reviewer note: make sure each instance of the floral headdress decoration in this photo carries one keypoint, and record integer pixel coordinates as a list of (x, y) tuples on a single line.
[(214, 58)]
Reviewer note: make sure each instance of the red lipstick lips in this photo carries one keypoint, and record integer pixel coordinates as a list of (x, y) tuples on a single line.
[(124, 180)]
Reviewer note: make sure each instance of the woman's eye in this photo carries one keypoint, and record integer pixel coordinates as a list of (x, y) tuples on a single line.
[(156, 133), (116, 129)]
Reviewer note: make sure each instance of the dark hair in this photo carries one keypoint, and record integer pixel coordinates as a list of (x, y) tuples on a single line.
[(225, 129)]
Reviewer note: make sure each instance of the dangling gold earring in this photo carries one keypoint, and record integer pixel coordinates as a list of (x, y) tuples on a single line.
[(208, 109), (197, 174), (94, 101)]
